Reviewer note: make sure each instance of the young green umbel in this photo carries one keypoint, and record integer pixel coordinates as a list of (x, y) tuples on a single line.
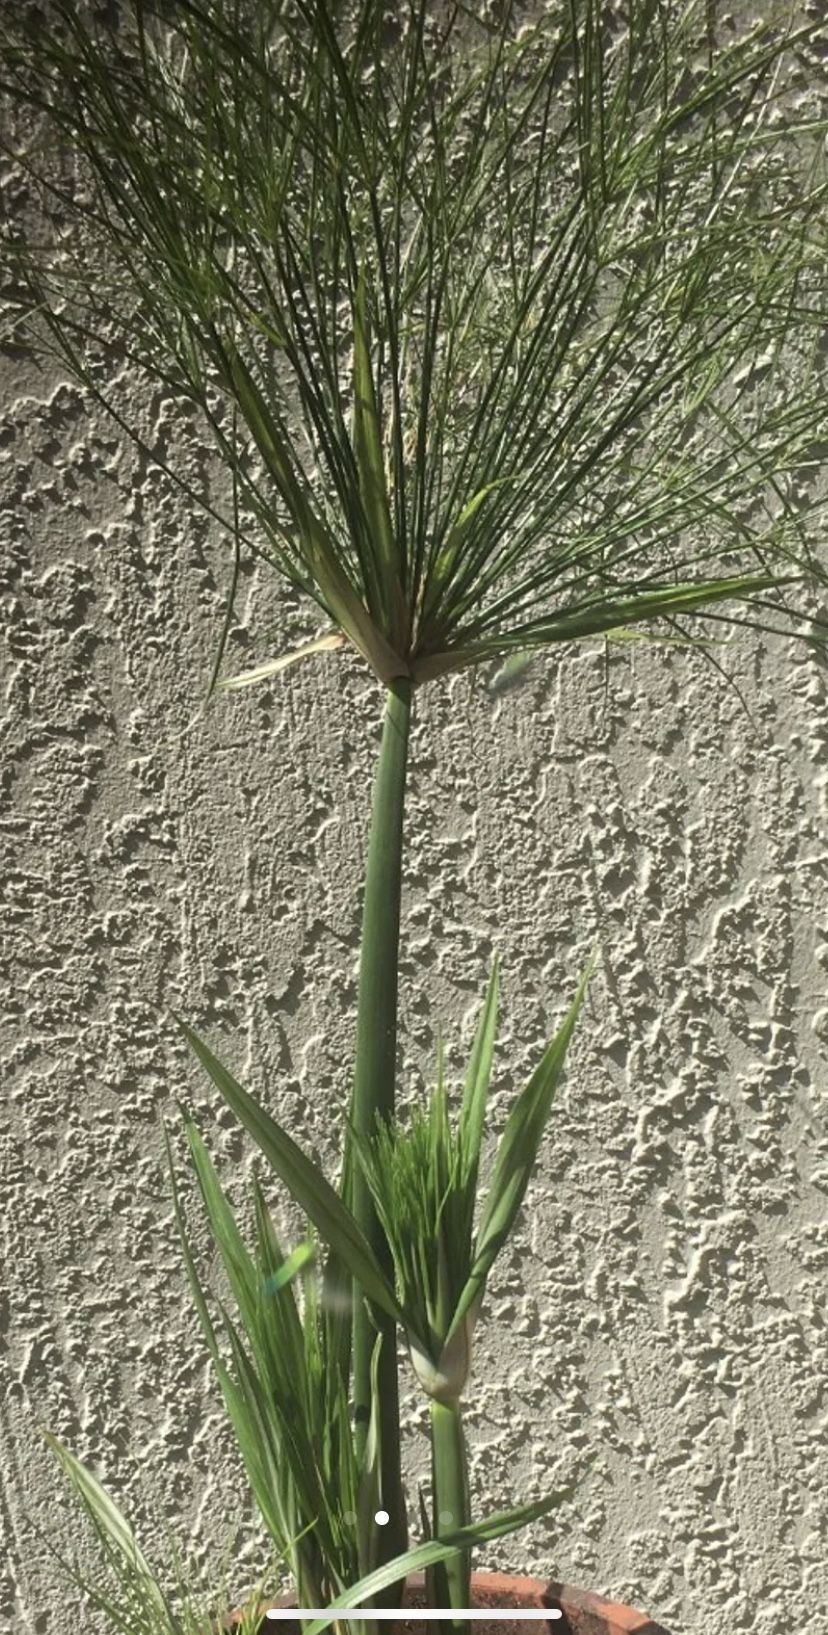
[(424, 1183), (504, 332)]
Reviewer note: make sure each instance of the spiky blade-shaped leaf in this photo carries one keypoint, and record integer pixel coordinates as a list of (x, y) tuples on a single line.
[(109, 1522), (314, 1194), (369, 1496), (261, 1445), (516, 1155), (133, 1601), (476, 1087), (238, 1263), (238, 1408), (276, 1338), (276, 1270), (601, 619)]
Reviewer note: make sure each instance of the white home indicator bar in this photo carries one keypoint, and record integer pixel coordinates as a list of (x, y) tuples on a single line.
[(414, 1614)]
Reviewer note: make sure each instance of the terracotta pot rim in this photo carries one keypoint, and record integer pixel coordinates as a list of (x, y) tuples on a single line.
[(584, 1612)]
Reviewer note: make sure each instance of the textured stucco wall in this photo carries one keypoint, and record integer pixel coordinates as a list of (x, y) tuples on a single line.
[(665, 1298)]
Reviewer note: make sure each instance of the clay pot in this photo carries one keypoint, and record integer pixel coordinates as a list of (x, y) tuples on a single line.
[(582, 1612)]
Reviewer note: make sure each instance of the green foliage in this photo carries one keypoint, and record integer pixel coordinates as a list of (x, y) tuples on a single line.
[(496, 326), (331, 1217), (424, 1183), (131, 1596), (288, 1406)]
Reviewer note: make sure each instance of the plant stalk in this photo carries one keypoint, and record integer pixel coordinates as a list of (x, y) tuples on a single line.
[(451, 1581), (374, 1081)]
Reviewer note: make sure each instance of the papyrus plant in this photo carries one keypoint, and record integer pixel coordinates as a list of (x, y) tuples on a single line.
[(504, 328)]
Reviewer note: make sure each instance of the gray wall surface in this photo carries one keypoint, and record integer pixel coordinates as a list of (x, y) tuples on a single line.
[(664, 1301)]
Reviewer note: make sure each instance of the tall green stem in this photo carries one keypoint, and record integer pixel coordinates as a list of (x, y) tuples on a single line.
[(451, 1581), (374, 1080)]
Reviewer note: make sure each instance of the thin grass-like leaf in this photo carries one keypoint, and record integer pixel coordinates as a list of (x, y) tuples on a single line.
[(369, 1493), (369, 460), (262, 672), (601, 618), (306, 1183), (476, 1088), (111, 1526), (238, 1408), (238, 1262), (516, 1154)]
